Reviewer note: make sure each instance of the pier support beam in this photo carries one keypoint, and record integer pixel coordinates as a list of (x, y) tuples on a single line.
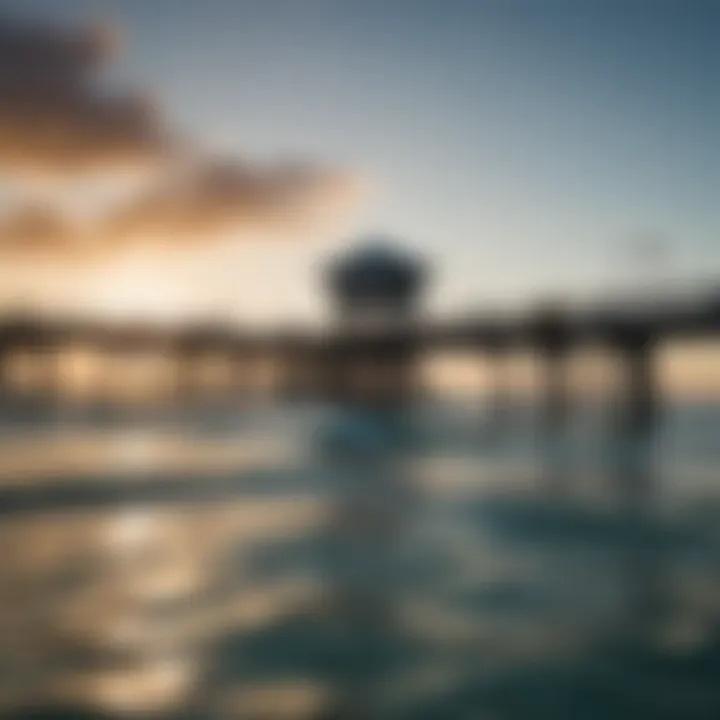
[(299, 371), (637, 415), (499, 400), (550, 333), (244, 363), (640, 403), (555, 402), (378, 370)]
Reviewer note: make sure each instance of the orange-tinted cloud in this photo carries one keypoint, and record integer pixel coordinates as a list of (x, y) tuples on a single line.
[(39, 229), (193, 207), (54, 117), (216, 198)]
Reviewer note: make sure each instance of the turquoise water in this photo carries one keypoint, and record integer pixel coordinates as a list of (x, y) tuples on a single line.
[(356, 567)]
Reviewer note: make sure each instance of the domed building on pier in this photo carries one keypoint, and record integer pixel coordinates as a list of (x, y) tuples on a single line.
[(377, 279)]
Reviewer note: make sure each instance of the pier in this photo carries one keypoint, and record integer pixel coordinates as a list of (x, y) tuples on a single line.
[(374, 341)]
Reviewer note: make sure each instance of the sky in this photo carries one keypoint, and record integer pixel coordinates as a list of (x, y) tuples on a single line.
[(524, 146)]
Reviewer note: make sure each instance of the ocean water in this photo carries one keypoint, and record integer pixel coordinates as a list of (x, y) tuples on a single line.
[(288, 561)]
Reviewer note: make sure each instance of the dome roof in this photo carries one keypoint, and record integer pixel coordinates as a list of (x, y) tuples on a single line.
[(377, 271)]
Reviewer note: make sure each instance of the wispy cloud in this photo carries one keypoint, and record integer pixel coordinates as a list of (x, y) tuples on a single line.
[(212, 198), (58, 118), (39, 229)]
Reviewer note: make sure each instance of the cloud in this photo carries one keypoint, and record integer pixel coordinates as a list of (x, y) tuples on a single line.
[(54, 115), (39, 229), (56, 118), (211, 199), (192, 208)]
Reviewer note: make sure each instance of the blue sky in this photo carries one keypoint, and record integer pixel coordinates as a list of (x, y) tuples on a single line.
[(523, 144)]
